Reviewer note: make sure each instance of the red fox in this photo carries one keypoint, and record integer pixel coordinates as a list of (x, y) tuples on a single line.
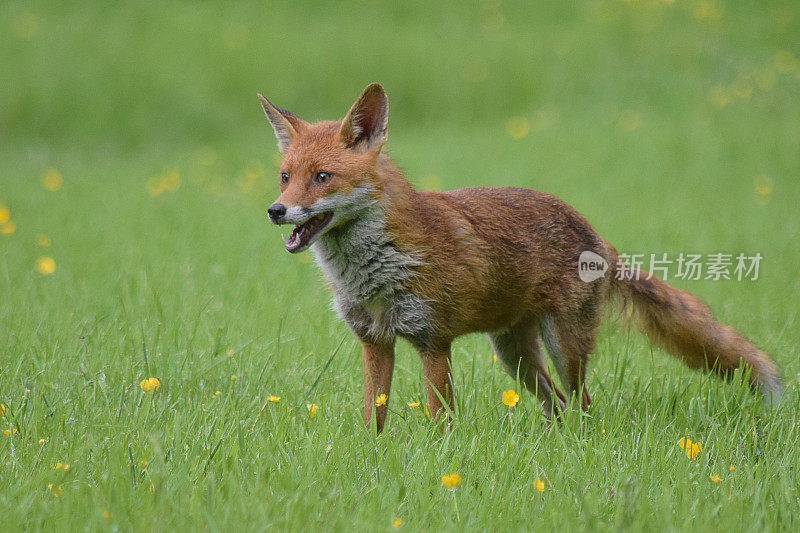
[(432, 266)]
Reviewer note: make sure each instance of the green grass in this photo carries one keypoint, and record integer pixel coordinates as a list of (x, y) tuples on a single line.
[(659, 121)]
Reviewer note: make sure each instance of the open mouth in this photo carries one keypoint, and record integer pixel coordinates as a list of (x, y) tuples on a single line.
[(303, 234)]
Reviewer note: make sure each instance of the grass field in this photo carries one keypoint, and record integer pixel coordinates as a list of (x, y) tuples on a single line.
[(136, 167)]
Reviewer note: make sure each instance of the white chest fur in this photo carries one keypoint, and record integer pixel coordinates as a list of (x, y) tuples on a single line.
[(368, 274)]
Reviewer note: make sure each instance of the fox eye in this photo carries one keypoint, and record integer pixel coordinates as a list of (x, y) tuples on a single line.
[(322, 177), (284, 178)]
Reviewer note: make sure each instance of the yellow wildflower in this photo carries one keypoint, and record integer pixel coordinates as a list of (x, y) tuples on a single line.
[(381, 400), (518, 127), (732, 468), (106, 514), (41, 441), (8, 228), (154, 186), (274, 399), (233, 377), (166, 181), (58, 466), (720, 96), (150, 384), (142, 464), (430, 182), (56, 491), (52, 180), (397, 522), (229, 352), (538, 484), (763, 185), (692, 449), (312, 409), (413, 404), (510, 398), (171, 180), (629, 120), (45, 265), (494, 357), (2, 410), (715, 478), (5, 214), (9, 432), (451, 481), (217, 393)]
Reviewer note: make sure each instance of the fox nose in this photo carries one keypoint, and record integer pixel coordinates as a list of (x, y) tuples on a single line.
[(276, 212)]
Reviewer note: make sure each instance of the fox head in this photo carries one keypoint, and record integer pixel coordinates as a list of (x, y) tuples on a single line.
[(326, 175)]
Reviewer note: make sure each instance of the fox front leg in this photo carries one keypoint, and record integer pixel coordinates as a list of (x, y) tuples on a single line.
[(438, 380), (378, 359)]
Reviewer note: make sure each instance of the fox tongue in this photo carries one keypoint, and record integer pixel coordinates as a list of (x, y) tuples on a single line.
[(297, 237), (303, 233)]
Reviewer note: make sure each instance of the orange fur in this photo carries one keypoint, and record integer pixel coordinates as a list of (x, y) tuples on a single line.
[(432, 266)]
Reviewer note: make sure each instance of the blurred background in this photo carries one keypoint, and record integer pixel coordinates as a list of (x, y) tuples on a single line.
[(136, 168), (136, 165)]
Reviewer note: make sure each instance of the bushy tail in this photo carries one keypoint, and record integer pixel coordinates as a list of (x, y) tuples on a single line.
[(683, 325)]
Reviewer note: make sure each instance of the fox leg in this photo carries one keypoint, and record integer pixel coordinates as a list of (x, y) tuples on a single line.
[(438, 379), (569, 343), (378, 359), (521, 354)]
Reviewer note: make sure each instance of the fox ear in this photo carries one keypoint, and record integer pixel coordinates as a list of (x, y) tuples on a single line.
[(285, 124), (364, 126)]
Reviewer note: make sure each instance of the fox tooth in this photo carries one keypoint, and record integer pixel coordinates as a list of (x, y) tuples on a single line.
[(284, 239)]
